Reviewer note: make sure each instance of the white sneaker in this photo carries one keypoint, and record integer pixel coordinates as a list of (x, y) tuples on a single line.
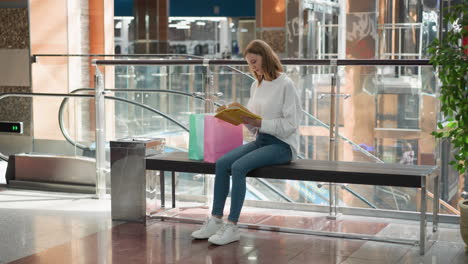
[(227, 234), (209, 228)]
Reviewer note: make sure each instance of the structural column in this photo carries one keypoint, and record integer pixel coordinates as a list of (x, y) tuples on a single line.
[(294, 28), (151, 26), (271, 23), (15, 73)]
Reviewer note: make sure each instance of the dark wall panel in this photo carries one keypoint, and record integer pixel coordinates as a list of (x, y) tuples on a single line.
[(229, 8)]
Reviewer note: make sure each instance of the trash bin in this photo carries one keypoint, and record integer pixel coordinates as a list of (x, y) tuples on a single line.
[(133, 191)]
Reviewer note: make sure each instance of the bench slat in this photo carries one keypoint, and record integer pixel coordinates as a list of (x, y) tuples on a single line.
[(308, 170)]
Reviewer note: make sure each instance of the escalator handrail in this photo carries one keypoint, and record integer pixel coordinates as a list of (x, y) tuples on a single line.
[(361, 149), (83, 147), (5, 95), (360, 197), (274, 189)]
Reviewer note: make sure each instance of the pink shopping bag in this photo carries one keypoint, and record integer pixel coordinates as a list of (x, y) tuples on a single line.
[(220, 137)]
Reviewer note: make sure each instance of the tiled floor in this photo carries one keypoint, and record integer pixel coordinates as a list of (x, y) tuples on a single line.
[(39, 227)]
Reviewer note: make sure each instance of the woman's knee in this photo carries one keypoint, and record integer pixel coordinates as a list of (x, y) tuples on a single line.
[(222, 164), (238, 169)]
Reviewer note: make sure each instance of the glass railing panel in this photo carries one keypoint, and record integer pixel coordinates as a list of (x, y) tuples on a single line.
[(391, 120), (188, 80), (313, 84), (156, 101), (65, 74), (362, 119), (52, 77), (385, 116), (364, 95), (151, 86), (234, 82)]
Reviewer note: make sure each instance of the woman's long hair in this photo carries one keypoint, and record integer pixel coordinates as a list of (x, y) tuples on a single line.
[(271, 65)]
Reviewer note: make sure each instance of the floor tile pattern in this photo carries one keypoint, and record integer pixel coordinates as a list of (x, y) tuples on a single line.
[(56, 228)]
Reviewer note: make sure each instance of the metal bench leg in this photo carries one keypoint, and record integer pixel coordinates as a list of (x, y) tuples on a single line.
[(423, 220), (162, 184), (436, 204), (173, 189)]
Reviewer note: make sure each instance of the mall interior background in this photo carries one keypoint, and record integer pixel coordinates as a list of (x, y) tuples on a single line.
[(385, 111)]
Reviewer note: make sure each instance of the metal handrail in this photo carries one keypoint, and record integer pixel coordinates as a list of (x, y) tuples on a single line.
[(115, 55), (308, 62), (65, 100), (66, 96), (34, 56), (201, 60)]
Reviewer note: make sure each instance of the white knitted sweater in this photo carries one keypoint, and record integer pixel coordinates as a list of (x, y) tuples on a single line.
[(278, 103)]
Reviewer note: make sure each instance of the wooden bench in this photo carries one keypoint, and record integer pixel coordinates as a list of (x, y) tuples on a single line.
[(129, 168), (380, 174)]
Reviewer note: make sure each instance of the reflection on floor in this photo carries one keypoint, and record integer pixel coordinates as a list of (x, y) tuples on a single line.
[(41, 227), (310, 221)]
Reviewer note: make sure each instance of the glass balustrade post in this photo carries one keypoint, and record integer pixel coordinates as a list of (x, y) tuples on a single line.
[(332, 153), (209, 108), (164, 84), (132, 85), (208, 88), (336, 130), (100, 135), (337, 112)]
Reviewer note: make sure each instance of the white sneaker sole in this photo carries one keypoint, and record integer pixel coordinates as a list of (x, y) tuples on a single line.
[(200, 237), (222, 243)]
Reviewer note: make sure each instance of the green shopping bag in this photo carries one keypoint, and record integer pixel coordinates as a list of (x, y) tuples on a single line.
[(196, 126)]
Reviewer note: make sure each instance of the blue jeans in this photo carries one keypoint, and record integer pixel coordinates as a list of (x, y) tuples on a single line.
[(264, 151)]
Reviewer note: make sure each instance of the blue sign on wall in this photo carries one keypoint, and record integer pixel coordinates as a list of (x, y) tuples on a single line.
[(224, 8)]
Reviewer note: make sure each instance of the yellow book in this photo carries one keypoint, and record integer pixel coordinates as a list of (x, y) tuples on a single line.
[(233, 115)]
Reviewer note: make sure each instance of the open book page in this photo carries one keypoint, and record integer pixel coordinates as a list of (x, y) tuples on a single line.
[(233, 115)]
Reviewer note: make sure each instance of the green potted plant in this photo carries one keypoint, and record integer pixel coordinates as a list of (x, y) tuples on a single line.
[(449, 56)]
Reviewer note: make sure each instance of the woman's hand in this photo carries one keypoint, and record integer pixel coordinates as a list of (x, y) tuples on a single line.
[(251, 121)]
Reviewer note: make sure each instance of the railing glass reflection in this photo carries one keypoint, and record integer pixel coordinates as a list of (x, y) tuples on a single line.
[(379, 119)]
